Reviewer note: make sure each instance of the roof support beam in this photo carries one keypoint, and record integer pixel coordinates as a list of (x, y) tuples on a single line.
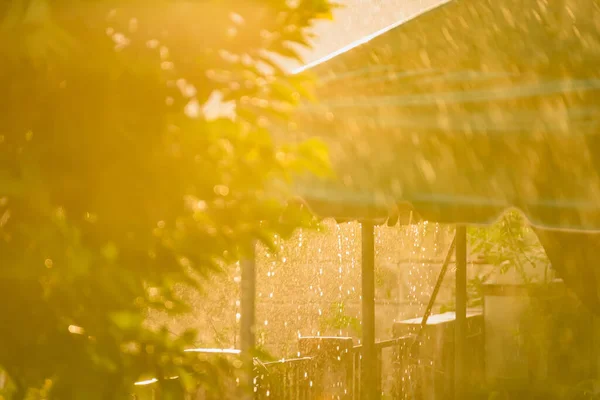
[(369, 367), (460, 328), (247, 320)]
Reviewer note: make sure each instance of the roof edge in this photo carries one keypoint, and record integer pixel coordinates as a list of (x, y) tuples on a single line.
[(367, 38)]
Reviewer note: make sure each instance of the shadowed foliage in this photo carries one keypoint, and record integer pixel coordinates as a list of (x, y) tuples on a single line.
[(135, 154)]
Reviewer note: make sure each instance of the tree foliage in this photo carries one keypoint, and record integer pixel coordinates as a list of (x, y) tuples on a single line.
[(135, 153), (510, 244)]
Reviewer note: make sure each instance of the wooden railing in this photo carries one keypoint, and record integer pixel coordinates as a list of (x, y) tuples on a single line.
[(393, 357), (292, 379), (331, 375)]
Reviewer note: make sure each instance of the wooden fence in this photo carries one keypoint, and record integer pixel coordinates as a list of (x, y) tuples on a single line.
[(330, 368)]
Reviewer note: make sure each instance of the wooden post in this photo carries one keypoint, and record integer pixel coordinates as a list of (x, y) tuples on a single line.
[(369, 354), (460, 328), (247, 321)]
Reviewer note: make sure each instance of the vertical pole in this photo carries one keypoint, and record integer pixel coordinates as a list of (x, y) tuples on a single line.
[(369, 355), (460, 328), (596, 346), (248, 306)]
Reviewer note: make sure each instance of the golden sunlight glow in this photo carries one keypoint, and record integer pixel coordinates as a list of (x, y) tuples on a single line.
[(147, 382)]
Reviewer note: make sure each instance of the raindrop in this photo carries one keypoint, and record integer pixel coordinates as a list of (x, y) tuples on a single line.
[(167, 65), (192, 108), (152, 44)]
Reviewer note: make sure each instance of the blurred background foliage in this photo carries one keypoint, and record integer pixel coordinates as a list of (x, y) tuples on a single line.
[(135, 153), (510, 246)]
